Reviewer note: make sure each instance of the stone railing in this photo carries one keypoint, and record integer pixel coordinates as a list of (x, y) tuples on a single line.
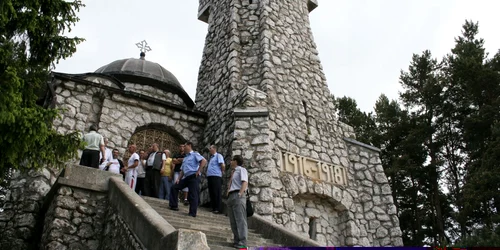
[(93, 209), (279, 233)]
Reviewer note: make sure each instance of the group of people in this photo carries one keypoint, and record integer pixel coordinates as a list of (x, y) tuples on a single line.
[(156, 173)]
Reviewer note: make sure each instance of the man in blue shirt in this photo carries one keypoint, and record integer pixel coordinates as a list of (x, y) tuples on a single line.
[(189, 177), (214, 176)]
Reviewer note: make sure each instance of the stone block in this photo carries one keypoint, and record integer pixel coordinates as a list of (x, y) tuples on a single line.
[(386, 189), (313, 212), (66, 202), (264, 208), (266, 194)]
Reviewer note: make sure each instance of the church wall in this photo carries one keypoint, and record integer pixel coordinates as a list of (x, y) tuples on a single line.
[(120, 115), (155, 93), (283, 112)]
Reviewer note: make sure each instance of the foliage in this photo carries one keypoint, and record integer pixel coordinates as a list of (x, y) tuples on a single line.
[(441, 144), (484, 237), (4, 183), (350, 113), (31, 40)]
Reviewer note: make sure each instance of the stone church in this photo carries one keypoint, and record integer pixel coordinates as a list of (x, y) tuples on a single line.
[(261, 94)]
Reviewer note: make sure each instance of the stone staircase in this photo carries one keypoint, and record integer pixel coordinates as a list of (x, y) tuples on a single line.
[(215, 226)]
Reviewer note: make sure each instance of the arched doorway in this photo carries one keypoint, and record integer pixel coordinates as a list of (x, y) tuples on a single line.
[(155, 133)]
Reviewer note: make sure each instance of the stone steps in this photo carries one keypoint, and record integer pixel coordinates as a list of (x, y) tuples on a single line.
[(216, 227)]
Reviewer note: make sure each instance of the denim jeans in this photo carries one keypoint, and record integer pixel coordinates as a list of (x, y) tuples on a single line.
[(165, 186)]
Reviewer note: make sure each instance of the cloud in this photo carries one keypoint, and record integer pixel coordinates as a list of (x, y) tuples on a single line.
[(363, 44)]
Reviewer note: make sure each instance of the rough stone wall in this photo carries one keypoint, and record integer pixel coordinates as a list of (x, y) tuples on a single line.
[(278, 72), (117, 235), (331, 227), (376, 216), (20, 219), (75, 219), (155, 93), (120, 115), (248, 29), (219, 77)]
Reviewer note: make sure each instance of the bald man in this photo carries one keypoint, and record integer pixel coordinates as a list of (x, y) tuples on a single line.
[(133, 162)]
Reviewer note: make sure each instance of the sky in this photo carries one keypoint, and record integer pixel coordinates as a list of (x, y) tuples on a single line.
[(363, 44)]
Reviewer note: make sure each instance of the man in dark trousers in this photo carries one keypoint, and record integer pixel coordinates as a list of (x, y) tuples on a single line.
[(215, 170), (191, 167), (154, 163), (94, 143)]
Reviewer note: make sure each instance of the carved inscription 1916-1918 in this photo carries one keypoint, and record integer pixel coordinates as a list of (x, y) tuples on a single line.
[(312, 168)]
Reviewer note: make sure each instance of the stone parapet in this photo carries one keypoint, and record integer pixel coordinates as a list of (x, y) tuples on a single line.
[(279, 233), (94, 209), (151, 229), (75, 218)]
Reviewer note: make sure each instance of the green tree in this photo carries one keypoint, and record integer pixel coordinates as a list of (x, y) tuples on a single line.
[(31, 40), (423, 95), (473, 93), (402, 156), (362, 122), (445, 131)]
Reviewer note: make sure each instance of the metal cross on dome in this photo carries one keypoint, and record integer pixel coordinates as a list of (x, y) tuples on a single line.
[(143, 45)]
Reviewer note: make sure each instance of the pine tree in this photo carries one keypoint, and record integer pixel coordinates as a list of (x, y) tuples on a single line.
[(473, 92), (31, 40), (423, 96), (362, 122)]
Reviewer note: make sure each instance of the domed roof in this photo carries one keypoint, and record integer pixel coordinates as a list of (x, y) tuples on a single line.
[(140, 67), (141, 71)]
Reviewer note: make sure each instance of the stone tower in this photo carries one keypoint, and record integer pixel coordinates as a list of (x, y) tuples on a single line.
[(262, 85)]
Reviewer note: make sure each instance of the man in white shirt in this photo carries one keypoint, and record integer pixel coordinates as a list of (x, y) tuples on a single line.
[(133, 162), (94, 143), (113, 165)]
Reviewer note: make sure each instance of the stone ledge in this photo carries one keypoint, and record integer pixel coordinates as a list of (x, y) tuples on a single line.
[(278, 233), (86, 178), (251, 112), (140, 217), (153, 231), (204, 13), (350, 140), (312, 4)]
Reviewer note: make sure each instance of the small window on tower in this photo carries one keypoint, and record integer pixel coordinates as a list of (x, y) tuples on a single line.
[(307, 117), (312, 228)]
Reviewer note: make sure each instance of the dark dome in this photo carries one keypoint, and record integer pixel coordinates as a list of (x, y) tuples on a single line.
[(141, 71)]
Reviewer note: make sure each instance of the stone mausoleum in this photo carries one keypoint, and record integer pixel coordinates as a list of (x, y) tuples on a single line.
[(262, 94)]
